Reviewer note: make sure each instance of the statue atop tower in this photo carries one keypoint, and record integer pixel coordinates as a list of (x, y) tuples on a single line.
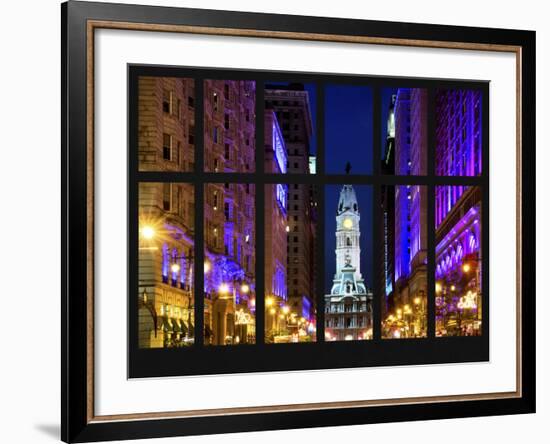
[(349, 299)]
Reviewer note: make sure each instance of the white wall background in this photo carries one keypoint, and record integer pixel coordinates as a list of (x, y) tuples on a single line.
[(30, 220)]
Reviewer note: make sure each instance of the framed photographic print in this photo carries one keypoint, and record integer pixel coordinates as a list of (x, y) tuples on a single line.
[(283, 221)]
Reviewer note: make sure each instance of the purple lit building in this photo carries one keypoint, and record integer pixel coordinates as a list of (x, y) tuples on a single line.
[(458, 262), (458, 213), (458, 133), (229, 213)]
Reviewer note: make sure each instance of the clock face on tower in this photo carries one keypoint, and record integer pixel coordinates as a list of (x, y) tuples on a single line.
[(348, 224)]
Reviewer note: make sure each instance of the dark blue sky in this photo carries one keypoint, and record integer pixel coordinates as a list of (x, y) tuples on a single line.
[(348, 129), (364, 197), (348, 138)]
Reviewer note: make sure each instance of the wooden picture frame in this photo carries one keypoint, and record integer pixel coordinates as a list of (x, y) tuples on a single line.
[(80, 20)]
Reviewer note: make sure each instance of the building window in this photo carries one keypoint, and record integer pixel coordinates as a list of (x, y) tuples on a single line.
[(215, 100), (167, 101), (167, 197), (167, 146)]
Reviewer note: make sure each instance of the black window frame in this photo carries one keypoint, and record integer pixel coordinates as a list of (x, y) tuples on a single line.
[(260, 357)]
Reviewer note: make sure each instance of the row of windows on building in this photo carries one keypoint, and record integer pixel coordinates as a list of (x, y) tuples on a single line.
[(346, 308), (172, 105), (352, 322)]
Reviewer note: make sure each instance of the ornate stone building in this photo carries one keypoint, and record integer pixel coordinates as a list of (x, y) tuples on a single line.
[(229, 213), (348, 307), (167, 213)]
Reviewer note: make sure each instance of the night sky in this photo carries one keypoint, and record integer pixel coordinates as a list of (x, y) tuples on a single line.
[(348, 129), (348, 138)]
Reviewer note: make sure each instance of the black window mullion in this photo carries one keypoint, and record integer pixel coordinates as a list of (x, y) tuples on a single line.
[(320, 193), (485, 214), (260, 214), (376, 215), (133, 214), (199, 212), (377, 287), (376, 129), (431, 213)]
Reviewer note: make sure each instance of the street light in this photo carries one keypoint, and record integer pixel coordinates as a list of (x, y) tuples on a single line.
[(147, 232), (245, 288), (466, 268), (224, 288)]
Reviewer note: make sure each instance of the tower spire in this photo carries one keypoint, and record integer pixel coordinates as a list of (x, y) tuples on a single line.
[(348, 293)]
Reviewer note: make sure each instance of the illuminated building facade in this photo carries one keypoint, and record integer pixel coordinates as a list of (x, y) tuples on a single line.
[(387, 207), (458, 214), (276, 236), (166, 264), (458, 133), (229, 213), (166, 213), (404, 307), (348, 307), (291, 106), (166, 124), (458, 263)]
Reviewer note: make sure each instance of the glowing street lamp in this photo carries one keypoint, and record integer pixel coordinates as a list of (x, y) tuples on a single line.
[(147, 232), (206, 267), (223, 289), (175, 267), (466, 268), (245, 288)]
